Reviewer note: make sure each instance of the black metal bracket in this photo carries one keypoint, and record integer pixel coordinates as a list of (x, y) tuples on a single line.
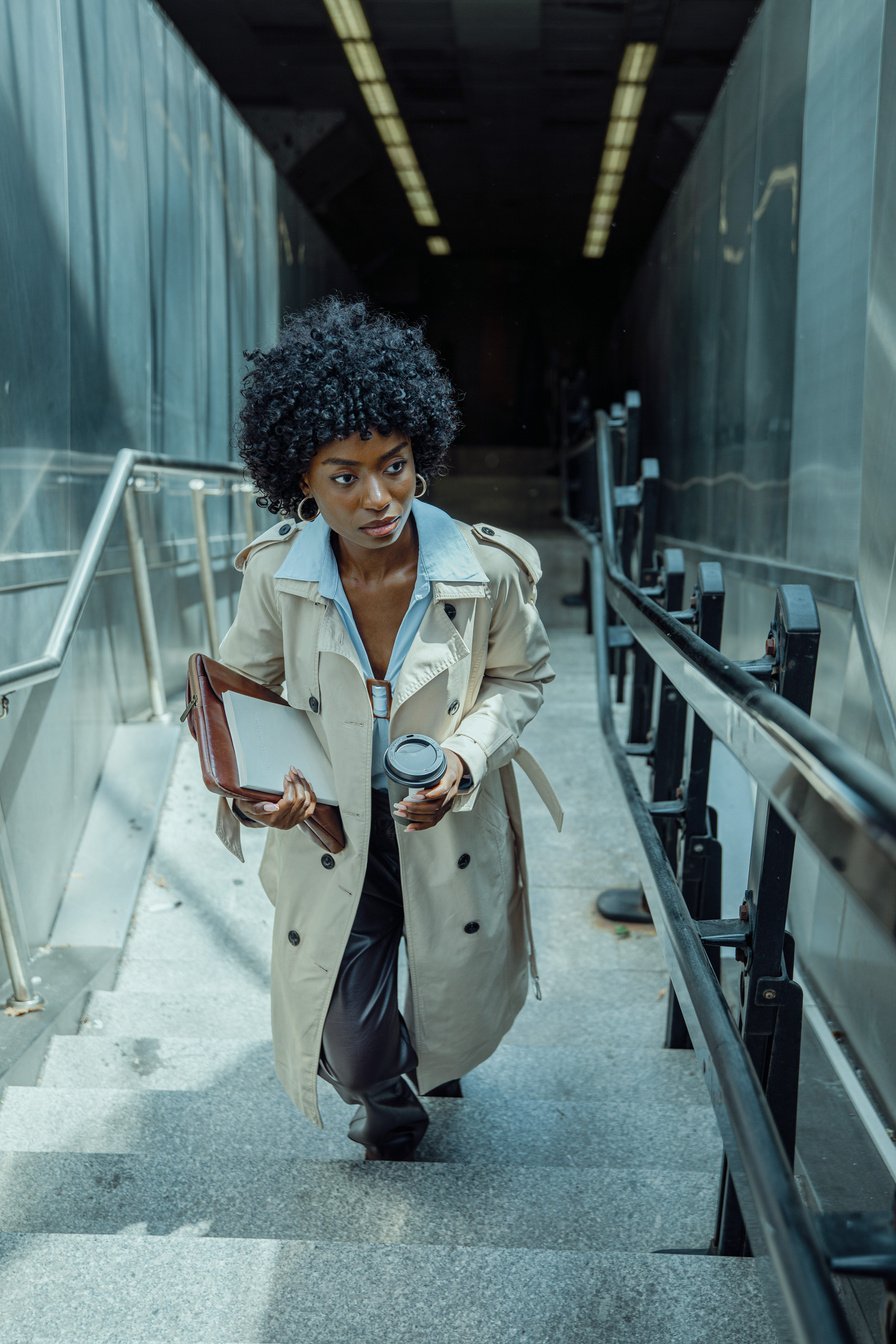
[(860, 1244), (723, 932)]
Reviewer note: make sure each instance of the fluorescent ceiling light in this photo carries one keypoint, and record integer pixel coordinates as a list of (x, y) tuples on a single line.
[(364, 61), (402, 156), (426, 216), (392, 130), (411, 179), (438, 246), (621, 132), (628, 100), (420, 199), (379, 100), (348, 19), (614, 161), (637, 63)]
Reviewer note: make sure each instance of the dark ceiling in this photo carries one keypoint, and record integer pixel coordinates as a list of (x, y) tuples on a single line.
[(506, 102)]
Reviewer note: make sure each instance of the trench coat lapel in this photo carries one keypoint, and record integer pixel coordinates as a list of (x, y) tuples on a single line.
[(437, 646)]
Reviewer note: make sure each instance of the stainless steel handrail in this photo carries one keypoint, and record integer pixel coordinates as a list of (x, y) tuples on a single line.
[(756, 1156), (126, 464), (127, 469)]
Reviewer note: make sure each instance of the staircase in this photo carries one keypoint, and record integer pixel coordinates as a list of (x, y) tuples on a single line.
[(157, 1185)]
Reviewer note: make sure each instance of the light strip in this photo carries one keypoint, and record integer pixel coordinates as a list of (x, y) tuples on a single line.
[(628, 100), (350, 22)]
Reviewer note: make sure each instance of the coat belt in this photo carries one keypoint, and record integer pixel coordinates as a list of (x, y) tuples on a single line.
[(542, 785)]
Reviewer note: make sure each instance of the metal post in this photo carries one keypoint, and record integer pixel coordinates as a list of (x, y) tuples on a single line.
[(771, 1017), (206, 574), (145, 612), (22, 997), (629, 904), (642, 675), (250, 514), (700, 873)]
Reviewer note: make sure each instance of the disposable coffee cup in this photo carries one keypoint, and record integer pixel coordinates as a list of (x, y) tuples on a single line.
[(413, 762)]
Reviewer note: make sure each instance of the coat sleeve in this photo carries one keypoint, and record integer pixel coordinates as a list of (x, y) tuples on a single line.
[(254, 646), (512, 689)]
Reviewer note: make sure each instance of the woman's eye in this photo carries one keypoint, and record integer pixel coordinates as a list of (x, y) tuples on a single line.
[(394, 468), (344, 478)]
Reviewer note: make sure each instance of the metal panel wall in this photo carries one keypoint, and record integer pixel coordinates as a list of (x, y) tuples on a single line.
[(140, 255), (760, 332)]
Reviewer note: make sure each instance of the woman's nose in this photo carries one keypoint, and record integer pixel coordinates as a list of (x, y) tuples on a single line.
[(375, 494)]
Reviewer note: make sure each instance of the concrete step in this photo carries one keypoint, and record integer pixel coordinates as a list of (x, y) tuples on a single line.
[(247, 1017), (424, 1203), (538, 1072), (169, 1290), (607, 1131)]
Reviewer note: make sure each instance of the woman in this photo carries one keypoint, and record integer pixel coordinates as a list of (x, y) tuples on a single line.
[(381, 615)]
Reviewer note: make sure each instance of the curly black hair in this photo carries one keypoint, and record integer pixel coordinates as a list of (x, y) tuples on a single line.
[(340, 367)]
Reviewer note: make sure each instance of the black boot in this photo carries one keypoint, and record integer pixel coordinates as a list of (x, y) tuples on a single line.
[(390, 1122)]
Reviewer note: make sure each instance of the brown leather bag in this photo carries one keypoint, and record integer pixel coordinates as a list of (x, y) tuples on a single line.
[(207, 721)]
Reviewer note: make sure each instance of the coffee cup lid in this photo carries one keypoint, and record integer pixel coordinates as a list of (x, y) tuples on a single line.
[(414, 759)]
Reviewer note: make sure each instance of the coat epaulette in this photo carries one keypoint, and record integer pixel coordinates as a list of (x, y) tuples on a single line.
[(284, 531), (525, 555)]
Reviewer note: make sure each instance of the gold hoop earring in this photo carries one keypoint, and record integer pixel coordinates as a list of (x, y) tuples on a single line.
[(305, 500), (418, 493)]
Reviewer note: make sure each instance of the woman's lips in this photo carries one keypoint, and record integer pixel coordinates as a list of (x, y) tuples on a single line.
[(383, 529)]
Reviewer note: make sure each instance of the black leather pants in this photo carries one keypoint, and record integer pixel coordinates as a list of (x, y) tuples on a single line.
[(366, 1047)]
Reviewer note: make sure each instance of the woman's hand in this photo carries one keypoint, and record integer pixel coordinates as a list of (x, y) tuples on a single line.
[(296, 805), (427, 807)]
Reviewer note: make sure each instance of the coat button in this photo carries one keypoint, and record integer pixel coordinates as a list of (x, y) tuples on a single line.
[(450, 611), (287, 527), (313, 704), (293, 937), (328, 861), (463, 861), (472, 927), (487, 531), (454, 707)]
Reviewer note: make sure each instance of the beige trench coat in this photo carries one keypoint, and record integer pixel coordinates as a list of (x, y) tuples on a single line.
[(491, 656)]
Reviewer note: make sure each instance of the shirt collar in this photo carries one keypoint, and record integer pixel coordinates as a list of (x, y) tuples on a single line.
[(445, 556)]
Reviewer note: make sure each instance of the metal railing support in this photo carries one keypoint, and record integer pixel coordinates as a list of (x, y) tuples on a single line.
[(128, 468), (203, 555), (699, 867), (23, 997), (246, 493), (146, 615), (812, 785)]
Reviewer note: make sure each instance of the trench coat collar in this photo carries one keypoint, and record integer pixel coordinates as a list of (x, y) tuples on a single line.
[(446, 561)]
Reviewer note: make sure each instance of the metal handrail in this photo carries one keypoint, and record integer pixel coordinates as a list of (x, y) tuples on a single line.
[(753, 1146), (127, 463), (125, 474), (840, 803)]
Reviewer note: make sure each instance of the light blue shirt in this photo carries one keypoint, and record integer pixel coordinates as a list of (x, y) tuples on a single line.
[(444, 557)]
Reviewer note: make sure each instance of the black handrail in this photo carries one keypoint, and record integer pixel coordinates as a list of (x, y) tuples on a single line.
[(840, 803), (814, 781)]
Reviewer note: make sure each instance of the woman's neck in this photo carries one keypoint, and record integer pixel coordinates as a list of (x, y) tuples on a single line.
[(359, 564)]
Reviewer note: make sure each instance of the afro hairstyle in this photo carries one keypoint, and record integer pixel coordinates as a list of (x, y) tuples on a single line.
[(340, 367)]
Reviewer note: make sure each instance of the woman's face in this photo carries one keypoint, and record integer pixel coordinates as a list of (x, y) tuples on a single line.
[(364, 487)]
